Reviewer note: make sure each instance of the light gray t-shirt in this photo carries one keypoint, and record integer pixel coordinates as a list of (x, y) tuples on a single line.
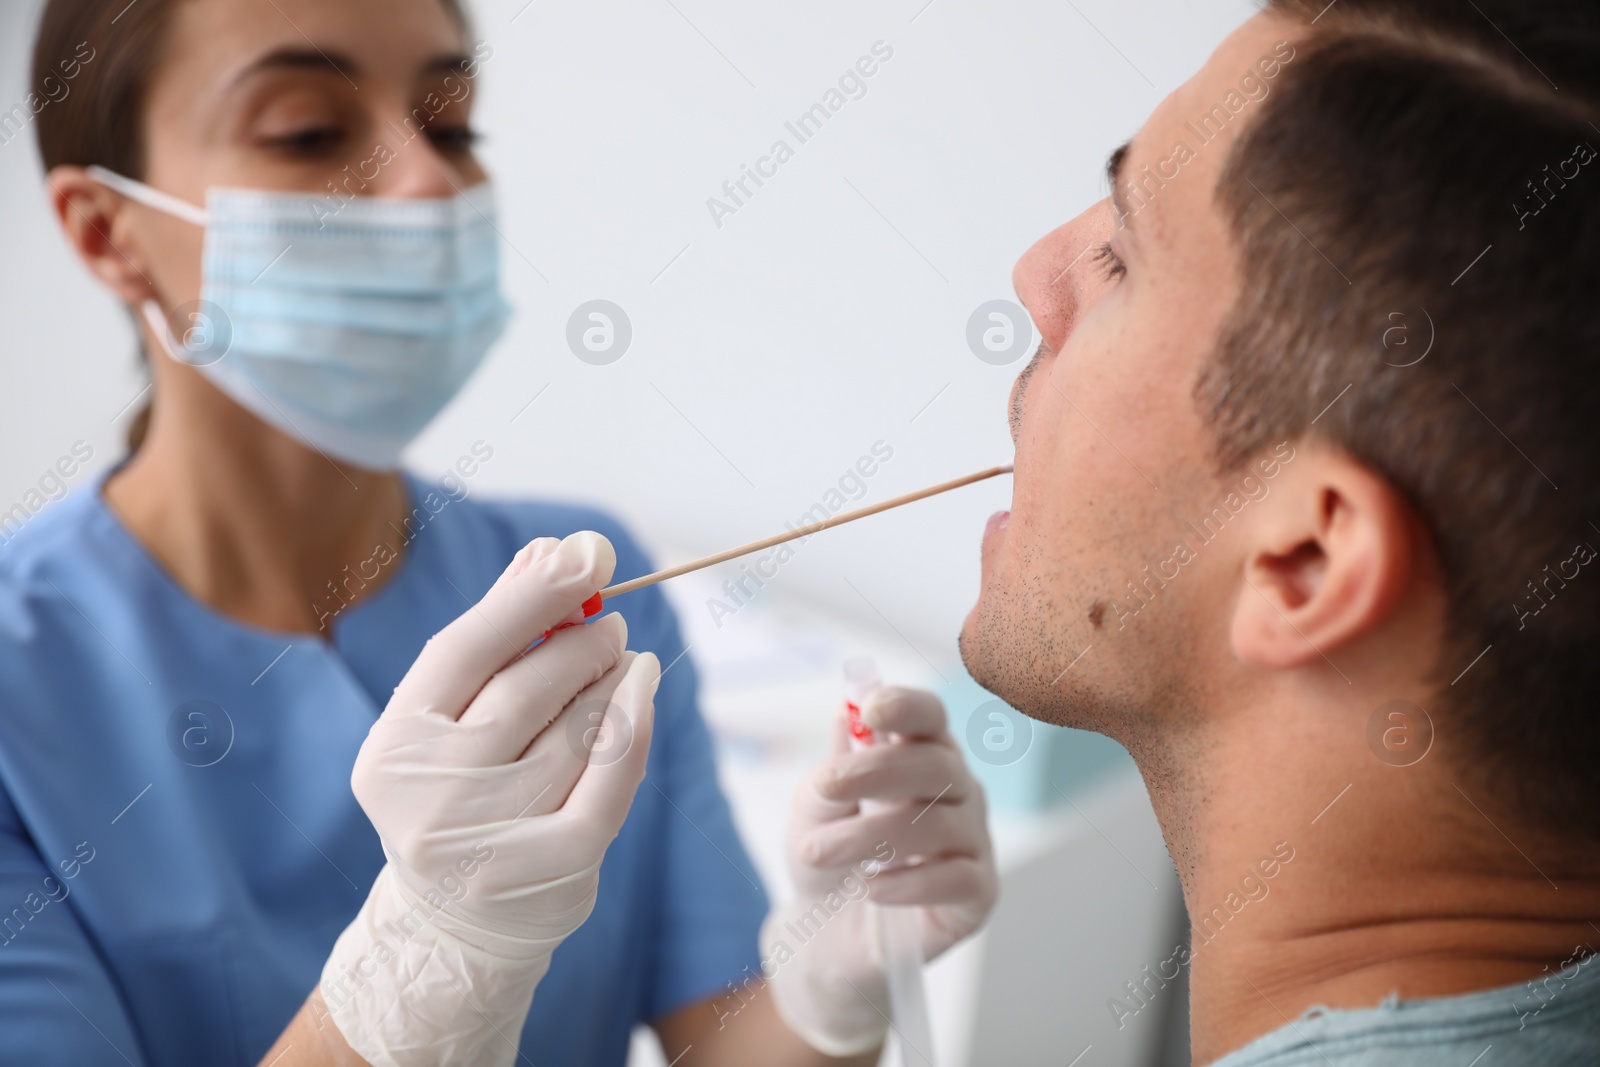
[(1552, 1021)]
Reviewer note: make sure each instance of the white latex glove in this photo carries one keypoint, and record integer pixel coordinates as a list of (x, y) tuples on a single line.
[(932, 833), (494, 813)]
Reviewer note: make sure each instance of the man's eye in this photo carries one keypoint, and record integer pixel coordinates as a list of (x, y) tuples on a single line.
[(1109, 262)]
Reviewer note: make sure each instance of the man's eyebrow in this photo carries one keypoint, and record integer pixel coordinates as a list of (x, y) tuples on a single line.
[(1114, 164), (313, 58)]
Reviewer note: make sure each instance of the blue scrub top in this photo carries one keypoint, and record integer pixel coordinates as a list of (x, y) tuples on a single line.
[(179, 846)]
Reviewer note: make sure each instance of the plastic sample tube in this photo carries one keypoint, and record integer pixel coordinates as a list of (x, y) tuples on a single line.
[(899, 928)]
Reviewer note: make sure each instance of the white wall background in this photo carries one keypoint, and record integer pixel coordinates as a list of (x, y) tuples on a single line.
[(768, 354), (824, 316)]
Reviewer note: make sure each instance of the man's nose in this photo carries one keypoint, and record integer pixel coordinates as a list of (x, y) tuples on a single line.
[(1056, 279)]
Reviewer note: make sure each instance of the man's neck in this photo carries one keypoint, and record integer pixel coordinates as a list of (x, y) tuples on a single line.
[(1316, 874)]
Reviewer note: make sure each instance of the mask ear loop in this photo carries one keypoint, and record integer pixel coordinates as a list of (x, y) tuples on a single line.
[(165, 202), (216, 345), (144, 194), (153, 318)]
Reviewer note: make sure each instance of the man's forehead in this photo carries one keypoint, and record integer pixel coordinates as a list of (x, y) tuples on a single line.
[(1168, 171)]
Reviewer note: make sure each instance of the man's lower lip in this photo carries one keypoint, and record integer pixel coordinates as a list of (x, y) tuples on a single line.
[(997, 522)]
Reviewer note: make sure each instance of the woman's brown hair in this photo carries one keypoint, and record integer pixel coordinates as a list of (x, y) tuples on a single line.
[(100, 119)]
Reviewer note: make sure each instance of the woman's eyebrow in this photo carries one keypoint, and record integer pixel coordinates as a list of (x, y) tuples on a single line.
[(294, 58), (449, 63)]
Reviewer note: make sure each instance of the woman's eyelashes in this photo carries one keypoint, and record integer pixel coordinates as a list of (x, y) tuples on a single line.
[(454, 139), (318, 142), (309, 142)]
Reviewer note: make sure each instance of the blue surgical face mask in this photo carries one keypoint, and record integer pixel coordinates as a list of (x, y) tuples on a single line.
[(348, 326)]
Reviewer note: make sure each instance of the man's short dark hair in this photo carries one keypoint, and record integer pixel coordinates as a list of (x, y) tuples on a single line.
[(1428, 173)]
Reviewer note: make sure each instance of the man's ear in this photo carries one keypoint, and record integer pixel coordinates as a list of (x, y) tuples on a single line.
[(97, 222), (1328, 564)]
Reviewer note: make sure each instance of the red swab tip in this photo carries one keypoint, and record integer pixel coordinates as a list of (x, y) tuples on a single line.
[(592, 606)]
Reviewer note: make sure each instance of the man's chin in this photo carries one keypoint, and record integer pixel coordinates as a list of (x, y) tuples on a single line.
[(1003, 656), (981, 655)]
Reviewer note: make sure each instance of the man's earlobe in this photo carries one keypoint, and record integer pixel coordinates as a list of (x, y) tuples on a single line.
[(1328, 566)]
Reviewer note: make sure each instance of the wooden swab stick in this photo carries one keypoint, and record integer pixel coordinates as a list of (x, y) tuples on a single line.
[(801, 531)]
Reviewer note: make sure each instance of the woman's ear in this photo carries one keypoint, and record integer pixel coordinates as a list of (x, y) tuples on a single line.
[(97, 224), (1329, 563)]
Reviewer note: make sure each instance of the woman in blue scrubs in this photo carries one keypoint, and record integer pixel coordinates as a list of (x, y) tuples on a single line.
[(193, 650)]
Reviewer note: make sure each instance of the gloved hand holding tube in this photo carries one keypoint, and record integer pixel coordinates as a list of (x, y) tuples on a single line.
[(920, 841), (494, 820)]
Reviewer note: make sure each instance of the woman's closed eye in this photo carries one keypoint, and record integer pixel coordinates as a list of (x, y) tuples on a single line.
[(309, 142), (455, 139)]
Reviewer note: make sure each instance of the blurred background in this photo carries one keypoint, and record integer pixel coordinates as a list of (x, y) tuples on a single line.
[(751, 347)]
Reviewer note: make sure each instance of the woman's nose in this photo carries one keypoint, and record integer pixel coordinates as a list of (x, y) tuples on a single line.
[(418, 170), (1056, 279)]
